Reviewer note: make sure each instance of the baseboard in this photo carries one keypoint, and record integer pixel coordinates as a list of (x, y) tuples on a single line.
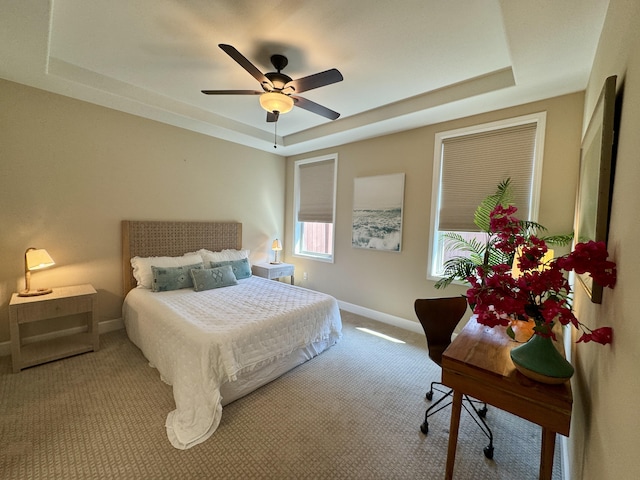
[(103, 327), (382, 317)]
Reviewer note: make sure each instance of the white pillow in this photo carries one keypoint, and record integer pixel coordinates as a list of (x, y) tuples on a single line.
[(223, 256), (142, 266)]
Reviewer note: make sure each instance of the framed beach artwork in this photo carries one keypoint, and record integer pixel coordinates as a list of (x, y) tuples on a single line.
[(594, 188), (377, 212)]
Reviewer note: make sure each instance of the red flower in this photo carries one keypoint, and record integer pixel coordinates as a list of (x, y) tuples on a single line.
[(602, 335), (591, 258), (542, 291), (506, 228), (532, 254), (501, 222)]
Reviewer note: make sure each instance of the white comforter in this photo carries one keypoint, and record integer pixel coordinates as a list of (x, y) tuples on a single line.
[(198, 340)]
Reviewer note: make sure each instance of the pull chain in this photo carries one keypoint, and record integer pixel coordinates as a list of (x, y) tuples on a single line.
[(275, 134)]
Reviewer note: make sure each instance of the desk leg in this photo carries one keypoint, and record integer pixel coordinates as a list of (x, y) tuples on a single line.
[(453, 433), (546, 454)]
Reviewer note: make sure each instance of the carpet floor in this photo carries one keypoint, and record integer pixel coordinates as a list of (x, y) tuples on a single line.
[(351, 413)]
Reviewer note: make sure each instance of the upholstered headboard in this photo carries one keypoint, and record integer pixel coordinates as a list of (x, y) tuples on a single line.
[(171, 239)]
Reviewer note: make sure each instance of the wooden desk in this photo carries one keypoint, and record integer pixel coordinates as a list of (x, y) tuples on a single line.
[(477, 363)]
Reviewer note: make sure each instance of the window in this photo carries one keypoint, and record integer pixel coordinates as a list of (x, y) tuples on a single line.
[(315, 206), (468, 165)]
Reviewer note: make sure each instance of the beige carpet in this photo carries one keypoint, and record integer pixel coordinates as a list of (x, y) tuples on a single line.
[(352, 413)]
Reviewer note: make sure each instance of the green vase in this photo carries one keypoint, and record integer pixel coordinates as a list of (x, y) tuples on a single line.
[(540, 360)]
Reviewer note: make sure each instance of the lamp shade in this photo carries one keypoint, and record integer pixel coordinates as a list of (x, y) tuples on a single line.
[(276, 246), (276, 102), (35, 259), (38, 258)]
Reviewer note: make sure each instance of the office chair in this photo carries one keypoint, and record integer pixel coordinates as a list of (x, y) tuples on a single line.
[(439, 318)]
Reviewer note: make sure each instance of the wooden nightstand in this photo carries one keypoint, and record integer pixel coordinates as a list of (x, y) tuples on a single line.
[(273, 270), (63, 301)]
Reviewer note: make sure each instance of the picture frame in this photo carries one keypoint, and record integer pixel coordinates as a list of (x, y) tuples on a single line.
[(377, 212), (595, 181)]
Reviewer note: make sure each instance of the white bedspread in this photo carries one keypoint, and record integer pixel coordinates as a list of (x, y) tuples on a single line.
[(198, 340)]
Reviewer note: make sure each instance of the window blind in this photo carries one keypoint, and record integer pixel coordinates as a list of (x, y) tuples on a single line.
[(316, 183), (473, 165)]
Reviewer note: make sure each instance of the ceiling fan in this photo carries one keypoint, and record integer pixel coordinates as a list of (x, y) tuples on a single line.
[(278, 90)]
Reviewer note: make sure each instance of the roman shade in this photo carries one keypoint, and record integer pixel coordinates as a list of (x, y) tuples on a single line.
[(474, 164), (316, 184)]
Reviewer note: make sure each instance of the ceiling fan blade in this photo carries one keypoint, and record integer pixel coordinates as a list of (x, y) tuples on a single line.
[(272, 116), (315, 108), (232, 92), (316, 80), (244, 63)]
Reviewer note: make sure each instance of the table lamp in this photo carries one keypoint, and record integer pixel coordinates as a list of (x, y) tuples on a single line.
[(276, 246), (35, 259)]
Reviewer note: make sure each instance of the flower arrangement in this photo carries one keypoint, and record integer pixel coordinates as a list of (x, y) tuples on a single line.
[(541, 292)]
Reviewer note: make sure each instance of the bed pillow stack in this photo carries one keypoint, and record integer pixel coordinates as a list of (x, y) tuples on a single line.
[(221, 263), (201, 270)]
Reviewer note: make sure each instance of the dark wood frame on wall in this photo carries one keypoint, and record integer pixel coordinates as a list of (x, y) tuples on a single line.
[(594, 187)]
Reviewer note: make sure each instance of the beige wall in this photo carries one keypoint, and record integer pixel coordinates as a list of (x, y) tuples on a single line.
[(390, 282), (70, 171), (606, 432)]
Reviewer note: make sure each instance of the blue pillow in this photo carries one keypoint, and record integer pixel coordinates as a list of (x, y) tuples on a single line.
[(241, 268), (173, 278), (209, 278)]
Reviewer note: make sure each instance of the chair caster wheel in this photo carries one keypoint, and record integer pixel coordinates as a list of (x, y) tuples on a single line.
[(482, 412), (429, 395), (488, 452), (424, 428)]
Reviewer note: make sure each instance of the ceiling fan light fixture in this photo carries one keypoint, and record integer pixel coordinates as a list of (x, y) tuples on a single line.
[(276, 102)]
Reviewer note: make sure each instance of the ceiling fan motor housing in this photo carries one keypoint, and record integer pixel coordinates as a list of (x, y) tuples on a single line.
[(278, 80)]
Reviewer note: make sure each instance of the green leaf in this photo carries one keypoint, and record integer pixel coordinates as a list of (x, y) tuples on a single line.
[(560, 240)]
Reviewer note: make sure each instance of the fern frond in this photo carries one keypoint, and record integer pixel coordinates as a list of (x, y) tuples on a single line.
[(503, 196), (560, 240), (455, 241), (530, 228), (457, 268)]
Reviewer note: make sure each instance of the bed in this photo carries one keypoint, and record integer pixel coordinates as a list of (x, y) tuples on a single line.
[(215, 345)]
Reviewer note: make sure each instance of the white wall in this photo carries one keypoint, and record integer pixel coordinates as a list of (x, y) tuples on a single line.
[(605, 432)]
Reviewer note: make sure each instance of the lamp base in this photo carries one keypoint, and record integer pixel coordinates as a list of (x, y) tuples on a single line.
[(34, 293)]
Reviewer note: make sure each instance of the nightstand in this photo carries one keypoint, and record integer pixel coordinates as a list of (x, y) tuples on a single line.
[(63, 301), (273, 271)]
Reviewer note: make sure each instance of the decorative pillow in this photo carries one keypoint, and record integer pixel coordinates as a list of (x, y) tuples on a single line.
[(142, 266), (209, 278), (241, 268), (223, 256), (173, 278)]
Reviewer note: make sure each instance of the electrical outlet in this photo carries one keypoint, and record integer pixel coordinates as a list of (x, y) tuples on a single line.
[(305, 276)]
